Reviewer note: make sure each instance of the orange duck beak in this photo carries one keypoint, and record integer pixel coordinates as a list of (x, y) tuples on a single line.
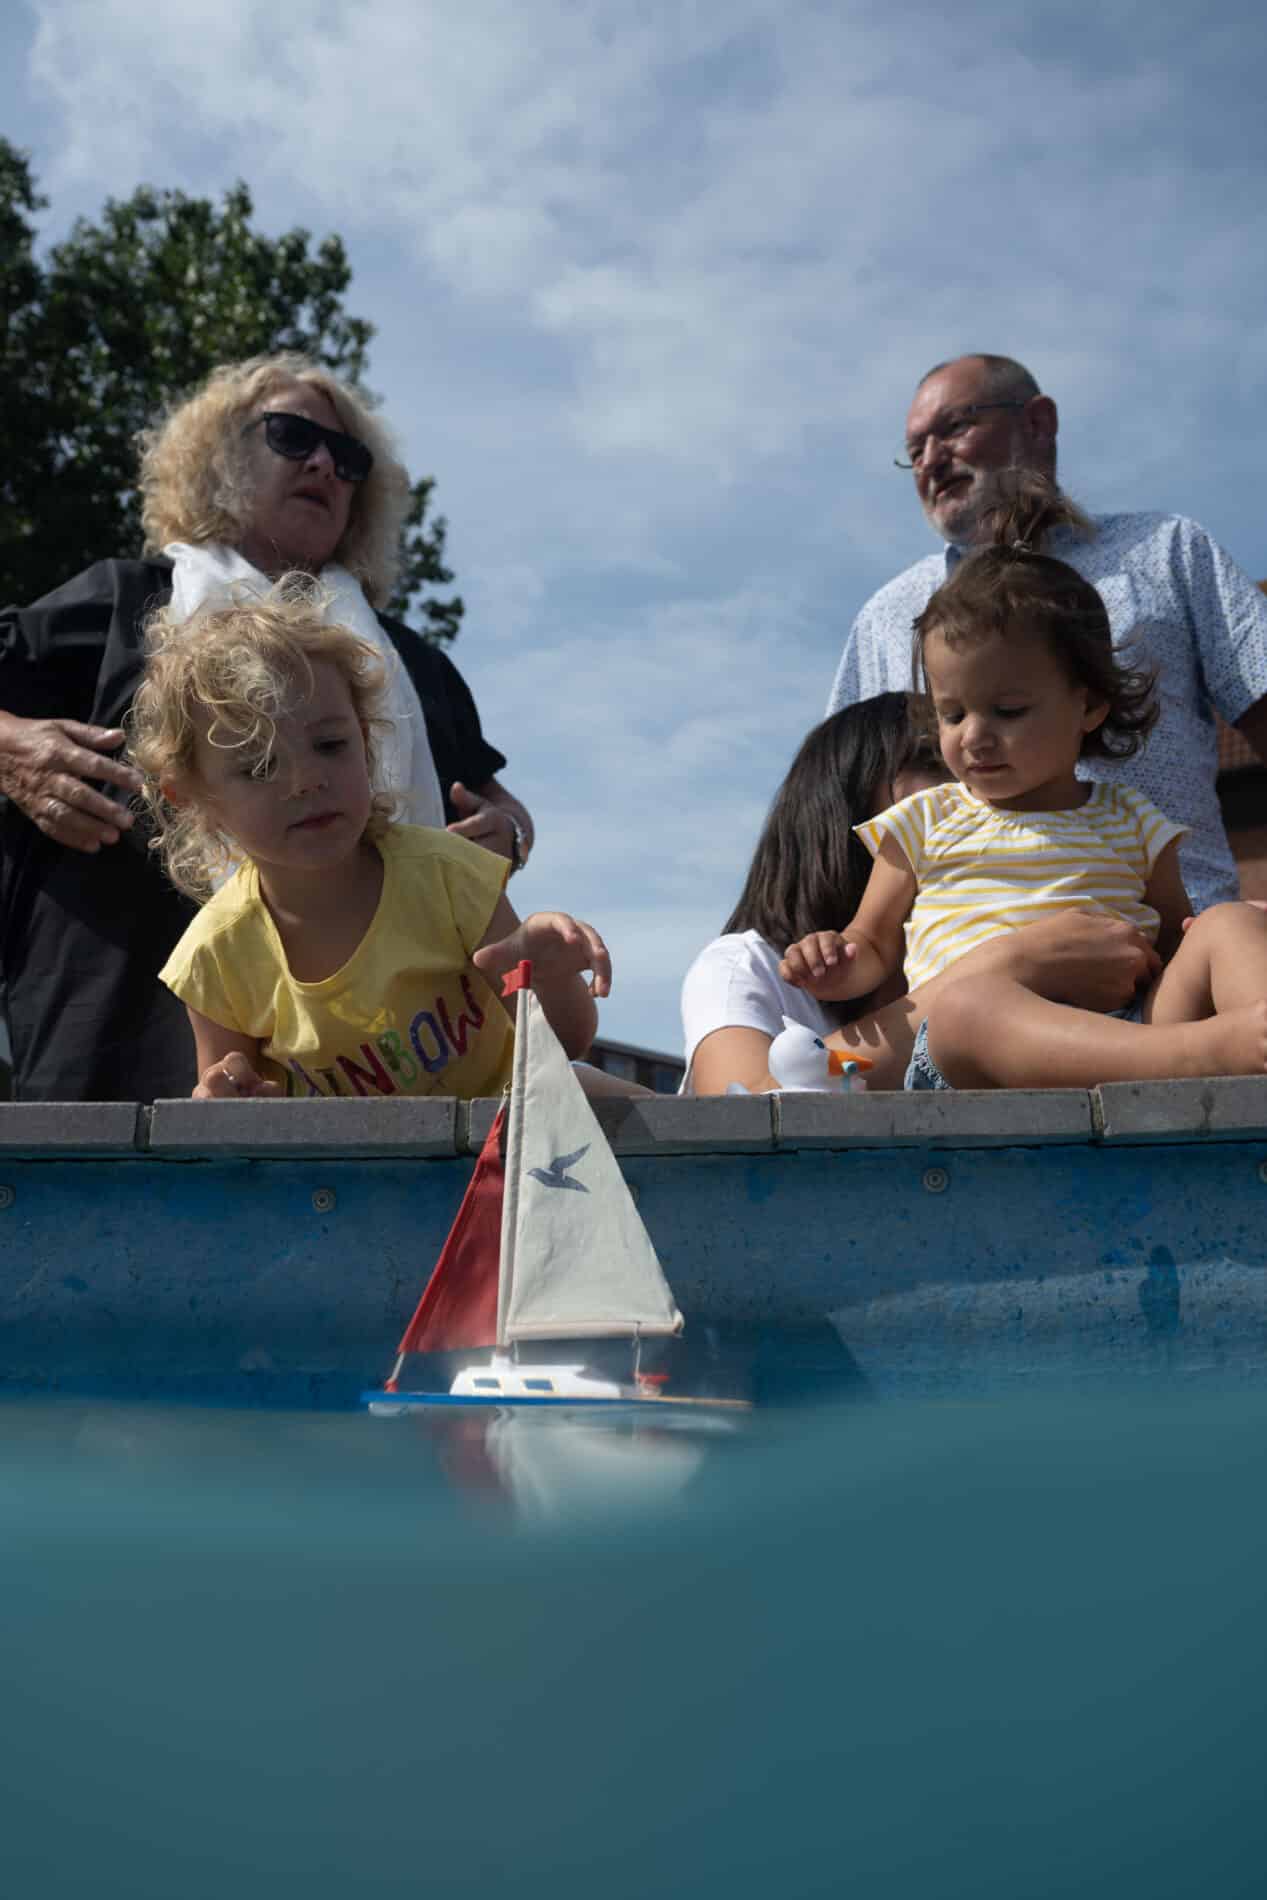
[(838, 1062)]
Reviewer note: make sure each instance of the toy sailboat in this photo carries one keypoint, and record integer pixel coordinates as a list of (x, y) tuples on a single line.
[(547, 1247)]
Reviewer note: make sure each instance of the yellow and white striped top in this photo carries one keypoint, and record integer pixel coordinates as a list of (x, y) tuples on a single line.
[(981, 871)]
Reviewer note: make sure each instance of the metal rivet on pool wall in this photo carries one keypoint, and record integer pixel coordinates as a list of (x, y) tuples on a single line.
[(6, 1197), (323, 1199), (936, 1180)]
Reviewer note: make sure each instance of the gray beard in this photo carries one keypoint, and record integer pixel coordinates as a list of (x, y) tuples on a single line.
[(964, 524), (968, 514)]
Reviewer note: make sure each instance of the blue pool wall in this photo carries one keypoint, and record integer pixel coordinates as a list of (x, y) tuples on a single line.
[(271, 1252)]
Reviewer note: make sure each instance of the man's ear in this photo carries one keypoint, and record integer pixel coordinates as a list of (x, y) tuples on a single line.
[(1042, 421)]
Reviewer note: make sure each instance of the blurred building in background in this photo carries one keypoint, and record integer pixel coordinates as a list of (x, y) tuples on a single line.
[(652, 1067)]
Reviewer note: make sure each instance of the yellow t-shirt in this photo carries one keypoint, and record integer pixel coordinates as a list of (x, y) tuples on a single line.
[(406, 1015), (981, 871)]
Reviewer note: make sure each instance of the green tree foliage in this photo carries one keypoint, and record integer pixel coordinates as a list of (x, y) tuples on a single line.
[(26, 419), (121, 318)]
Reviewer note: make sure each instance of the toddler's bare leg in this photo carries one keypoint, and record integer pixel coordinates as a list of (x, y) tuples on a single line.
[(1220, 965), (993, 1033)]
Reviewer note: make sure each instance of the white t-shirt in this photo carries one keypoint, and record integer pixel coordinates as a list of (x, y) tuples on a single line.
[(734, 983)]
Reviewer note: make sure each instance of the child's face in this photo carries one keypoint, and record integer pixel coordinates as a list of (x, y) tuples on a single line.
[(1010, 721), (306, 806)]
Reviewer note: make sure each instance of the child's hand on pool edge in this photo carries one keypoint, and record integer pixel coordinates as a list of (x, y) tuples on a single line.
[(230, 1079)]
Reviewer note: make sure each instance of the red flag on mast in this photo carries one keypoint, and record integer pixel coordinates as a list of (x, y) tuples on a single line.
[(520, 978)]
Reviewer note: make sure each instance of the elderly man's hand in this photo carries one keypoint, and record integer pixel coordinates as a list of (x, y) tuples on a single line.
[(45, 769)]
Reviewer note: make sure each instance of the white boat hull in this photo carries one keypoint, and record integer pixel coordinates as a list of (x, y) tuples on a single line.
[(506, 1382)]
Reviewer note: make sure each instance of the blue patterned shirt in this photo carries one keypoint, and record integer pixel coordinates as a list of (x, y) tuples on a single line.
[(1194, 615)]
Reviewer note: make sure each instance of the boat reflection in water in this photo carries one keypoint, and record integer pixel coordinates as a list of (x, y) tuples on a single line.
[(555, 1463), (558, 1465)]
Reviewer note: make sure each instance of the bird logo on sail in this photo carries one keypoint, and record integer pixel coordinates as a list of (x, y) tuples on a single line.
[(557, 1176)]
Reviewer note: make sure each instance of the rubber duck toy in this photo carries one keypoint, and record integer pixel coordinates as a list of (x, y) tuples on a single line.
[(801, 1060)]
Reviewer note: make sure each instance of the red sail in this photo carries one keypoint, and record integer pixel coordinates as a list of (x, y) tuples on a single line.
[(458, 1307)]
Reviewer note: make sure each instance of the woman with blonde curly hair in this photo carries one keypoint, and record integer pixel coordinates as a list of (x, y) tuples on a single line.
[(273, 465)]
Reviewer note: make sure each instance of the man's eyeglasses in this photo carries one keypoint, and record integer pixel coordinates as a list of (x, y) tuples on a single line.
[(948, 428), (296, 437)]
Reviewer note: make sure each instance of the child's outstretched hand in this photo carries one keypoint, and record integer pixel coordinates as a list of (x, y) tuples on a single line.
[(556, 945), (822, 963), (232, 1079)]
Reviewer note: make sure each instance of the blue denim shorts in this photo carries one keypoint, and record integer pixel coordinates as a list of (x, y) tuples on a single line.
[(922, 1072)]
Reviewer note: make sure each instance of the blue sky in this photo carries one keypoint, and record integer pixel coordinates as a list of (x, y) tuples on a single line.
[(653, 285)]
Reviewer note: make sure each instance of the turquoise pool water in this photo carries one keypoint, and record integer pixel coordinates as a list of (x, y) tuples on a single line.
[(1009, 1648)]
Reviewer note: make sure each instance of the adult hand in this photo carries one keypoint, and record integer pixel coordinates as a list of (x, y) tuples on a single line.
[(231, 1078), (483, 822), (45, 769), (1080, 957)]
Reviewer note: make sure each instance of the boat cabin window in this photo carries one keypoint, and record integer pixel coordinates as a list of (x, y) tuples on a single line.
[(489, 1385), (538, 1385)]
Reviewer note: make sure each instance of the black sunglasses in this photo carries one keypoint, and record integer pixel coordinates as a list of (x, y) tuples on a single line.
[(296, 437)]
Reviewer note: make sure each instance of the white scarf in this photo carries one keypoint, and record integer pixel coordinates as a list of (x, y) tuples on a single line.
[(211, 573)]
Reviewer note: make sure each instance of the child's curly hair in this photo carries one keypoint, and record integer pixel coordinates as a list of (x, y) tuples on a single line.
[(1010, 587), (229, 673)]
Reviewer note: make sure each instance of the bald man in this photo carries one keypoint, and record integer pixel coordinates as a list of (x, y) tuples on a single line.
[(1186, 606)]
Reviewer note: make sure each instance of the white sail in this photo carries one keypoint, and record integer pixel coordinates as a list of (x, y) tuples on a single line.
[(576, 1260)]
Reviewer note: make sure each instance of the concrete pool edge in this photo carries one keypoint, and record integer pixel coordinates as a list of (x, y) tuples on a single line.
[(444, 1128)]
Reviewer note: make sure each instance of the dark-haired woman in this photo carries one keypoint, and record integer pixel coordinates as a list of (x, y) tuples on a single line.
[(809, 867)]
